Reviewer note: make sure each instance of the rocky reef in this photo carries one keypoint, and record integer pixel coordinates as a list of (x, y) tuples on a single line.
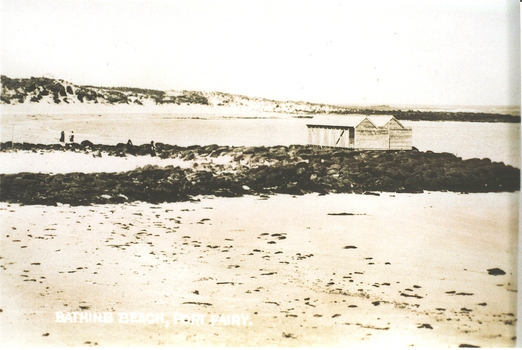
[(292, 170)]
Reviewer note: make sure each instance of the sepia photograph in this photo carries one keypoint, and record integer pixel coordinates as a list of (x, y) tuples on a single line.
[(260, 173)]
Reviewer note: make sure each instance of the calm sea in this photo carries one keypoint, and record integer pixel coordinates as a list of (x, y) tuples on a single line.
[(497, 141)]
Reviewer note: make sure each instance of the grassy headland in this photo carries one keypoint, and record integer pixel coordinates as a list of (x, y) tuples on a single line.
[(54, 92)]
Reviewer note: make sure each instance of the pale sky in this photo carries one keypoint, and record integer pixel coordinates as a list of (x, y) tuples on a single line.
[(451, 52)]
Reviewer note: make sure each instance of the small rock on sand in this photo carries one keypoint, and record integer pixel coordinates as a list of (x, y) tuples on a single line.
[(496, 272), (468, 346)]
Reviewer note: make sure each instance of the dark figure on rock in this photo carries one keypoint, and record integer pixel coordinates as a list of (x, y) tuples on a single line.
[(152, 149), (130, 147)]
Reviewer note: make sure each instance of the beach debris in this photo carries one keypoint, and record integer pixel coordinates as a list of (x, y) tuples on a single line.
[(411, 296), (302, 257), (425, 325), (496, 272), (371, 193), (349, 247), (272, 302), (468, 346), (197, 303)]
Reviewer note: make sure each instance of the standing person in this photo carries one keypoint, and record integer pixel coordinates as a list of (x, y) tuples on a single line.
[(130, 147), (62, 137), (152, 149), (71, 138)]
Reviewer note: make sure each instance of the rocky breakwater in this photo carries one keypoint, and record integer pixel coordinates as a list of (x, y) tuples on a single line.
[(255, 170)]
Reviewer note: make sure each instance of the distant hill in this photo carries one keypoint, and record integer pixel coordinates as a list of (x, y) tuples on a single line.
[(54, 91), (47, 91)]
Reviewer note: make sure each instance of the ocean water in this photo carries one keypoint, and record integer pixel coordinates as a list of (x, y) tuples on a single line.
[(498, 141)]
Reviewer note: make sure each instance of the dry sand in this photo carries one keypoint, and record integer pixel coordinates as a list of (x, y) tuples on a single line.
[(56, 162), (405, 270)]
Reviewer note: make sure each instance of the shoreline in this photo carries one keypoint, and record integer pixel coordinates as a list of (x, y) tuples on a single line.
[(236, 112)]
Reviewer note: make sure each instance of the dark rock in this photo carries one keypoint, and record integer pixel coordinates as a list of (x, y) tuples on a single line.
[(425, 325), (411, 296), (496, 272), (324, 171), (468, 346)]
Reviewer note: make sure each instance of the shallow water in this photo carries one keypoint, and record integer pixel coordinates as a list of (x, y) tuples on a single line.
[(497, 141)]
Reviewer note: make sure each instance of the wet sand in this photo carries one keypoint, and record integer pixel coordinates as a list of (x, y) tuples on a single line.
[(393, 270), (61, 162)]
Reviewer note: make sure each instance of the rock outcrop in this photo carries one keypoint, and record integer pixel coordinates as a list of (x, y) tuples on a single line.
[(256, 170)]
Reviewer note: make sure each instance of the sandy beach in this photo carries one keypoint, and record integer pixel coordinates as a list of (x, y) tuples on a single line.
[(61, 162), (398, 269), (436, 269), (260, 174), (433, 269)]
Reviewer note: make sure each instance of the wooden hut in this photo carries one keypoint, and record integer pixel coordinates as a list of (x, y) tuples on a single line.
[(359, 132)]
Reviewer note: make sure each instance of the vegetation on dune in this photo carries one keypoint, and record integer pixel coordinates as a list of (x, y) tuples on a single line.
[(36, 90)]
